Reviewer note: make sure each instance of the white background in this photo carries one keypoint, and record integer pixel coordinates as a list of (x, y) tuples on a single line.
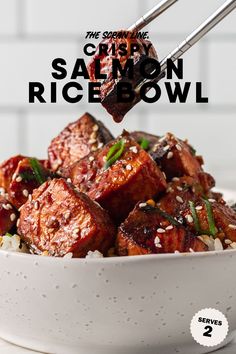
[(33, 32)]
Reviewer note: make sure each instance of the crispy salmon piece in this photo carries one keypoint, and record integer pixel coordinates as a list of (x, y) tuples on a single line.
[(26, 179), (109, 85), (178, 194), (149, 139), (77, 140), (224, 219), (7, 169), (8, 216), (59, 220), (132, 177), (147, 231), (176, 157)]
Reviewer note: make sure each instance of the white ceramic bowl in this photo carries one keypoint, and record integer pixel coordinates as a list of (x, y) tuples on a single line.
[(134, 305)]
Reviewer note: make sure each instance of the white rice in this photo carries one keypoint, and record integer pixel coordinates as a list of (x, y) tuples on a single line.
[(12, 243), (94, 254)]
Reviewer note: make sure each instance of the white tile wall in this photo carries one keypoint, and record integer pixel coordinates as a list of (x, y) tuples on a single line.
[(9, 141), (77, 17), (33, 32), (8, 17)]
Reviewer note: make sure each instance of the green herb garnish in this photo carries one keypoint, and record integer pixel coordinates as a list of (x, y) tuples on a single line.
[(168, 217), (114, 153), (144, 143), (8, 234), (27, 176), (192, 150), (37, 170), (210, 218), (195, 217)]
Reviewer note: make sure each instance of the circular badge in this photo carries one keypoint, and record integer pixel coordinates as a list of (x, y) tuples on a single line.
[(209, 327)]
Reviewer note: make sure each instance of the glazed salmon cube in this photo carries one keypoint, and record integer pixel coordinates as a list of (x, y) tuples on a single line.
[(59, 220), (77, 140), (117, 188), (147, 230), (29, 174), (7, 169), (8, 216)]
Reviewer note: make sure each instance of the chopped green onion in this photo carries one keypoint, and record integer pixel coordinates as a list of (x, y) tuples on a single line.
[(27, 176), (195, 217), (37, 170), (192, 150), (210, 218), (144, 143), (114, 153), (8, 234), (168, 217)]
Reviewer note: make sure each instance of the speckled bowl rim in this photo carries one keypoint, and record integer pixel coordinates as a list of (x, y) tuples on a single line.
[(121, 259)]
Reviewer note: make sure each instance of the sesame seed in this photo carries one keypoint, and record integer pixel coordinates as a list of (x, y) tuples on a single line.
[(227, 241), (93, 148), (25, 193), (170, 155), (179, 188), (178, 147), (164, 174), (5, 206), (67, 215), (68, 180), (198, 207), (158, 245), (160, 230), (128, 167), (218, 244), (233, 245), (91, 158), (2, 191), (175, 179), (92, 141), (191, 250), (36, 205), (100, 145), (179, 199), (30, 197), (95, 128), (134, 149), (170, 227), (142, 205), (156, 241), (14, 176), (18, 179), (189, 218), (212, 200), (170, 190), (12, 216), (165, 148), (18, 223), (93, 135), (231, 226), (176, 251)]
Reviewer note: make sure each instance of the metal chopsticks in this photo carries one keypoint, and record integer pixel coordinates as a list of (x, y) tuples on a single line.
[(199, 32), (151, 15)]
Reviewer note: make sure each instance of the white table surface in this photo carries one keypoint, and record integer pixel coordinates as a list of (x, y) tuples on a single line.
[(7, 348)]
